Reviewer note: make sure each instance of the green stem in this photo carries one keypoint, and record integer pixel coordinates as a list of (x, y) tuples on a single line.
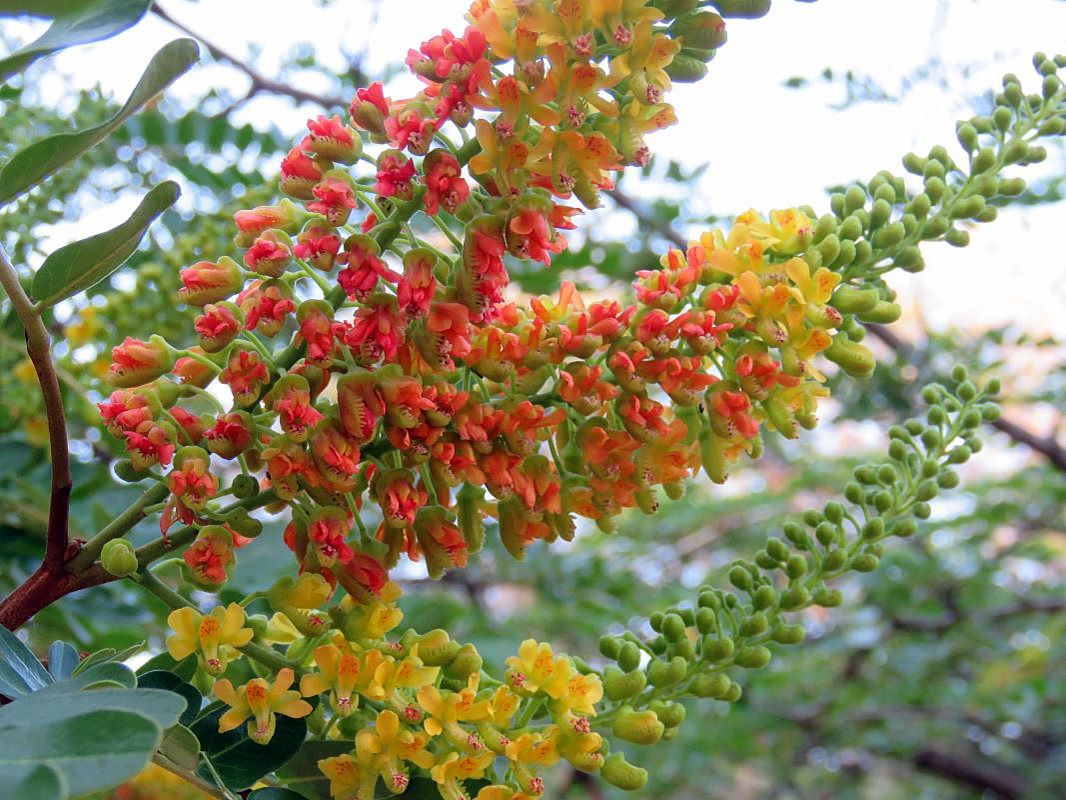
[(119, 526)]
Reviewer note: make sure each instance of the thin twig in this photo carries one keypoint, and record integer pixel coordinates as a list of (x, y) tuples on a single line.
[(260, 82), (39, 349)]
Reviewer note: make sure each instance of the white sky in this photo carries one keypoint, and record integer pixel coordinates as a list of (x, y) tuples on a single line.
[(766, 146)]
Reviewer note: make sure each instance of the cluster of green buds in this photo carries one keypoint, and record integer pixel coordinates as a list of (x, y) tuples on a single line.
[(698, 649)]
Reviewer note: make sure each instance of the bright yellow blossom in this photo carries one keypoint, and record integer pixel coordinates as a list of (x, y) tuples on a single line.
[(213, 637), (261, 701), (536, 668), (385, 746)]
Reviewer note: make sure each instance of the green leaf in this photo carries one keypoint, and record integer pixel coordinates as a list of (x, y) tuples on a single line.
[(162, 679), (79, 265), (302, 772), (96, 657), (184, 669), (162, 707), (93, 751), (76, 23), (33, 782), (20, 671), (181, 747), (37, 161), (239, 761), (109, 673), (62, 660)]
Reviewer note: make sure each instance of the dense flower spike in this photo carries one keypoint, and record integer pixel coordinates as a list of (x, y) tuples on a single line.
[(408, 380)]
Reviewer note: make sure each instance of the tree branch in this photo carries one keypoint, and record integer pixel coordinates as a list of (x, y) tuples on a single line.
[(983, 774), (623, 200), (260, 82), (39, 349)]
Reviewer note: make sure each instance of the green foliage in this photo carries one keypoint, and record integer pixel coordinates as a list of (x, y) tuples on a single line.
[(238, 760), (41, 159), (76, 22), (79, 265)]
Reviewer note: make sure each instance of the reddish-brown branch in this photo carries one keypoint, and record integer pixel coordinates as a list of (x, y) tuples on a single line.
[(39, 349)]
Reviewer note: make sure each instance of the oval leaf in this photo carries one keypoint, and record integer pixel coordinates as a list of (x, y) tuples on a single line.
[(79, 265), (162, 707), (77, 23), (181, 747), (29, 782), (162, 679), (239, 761), (109, 673), (62, 660), (37, 161), (20, 671), (93, 751)]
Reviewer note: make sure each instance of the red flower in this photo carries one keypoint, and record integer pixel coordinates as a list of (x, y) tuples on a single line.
[(364, 267), (135, 362), (150, 443), (266, 306), (394, 176), (444, 182), (334, 199), (217, 327), (300, 173), (318, 244), (268, 255), (245, 375), (327, 533)]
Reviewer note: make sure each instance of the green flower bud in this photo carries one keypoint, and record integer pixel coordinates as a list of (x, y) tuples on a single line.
[(118, 558), (796, 567), (125, 471), (629, 657), (789, 634), (466, 662), (436, 648), (734, 693), (874, 528), (638, 727), (742, 9), (828, 598), (670, 714), (889, 236), (714, 686), (704, 30), (708, 599), (610, 647), (850, 300), (855, 359), (922, 510), (753, 657), (847, 254), (754, 625), (686, 68), (717, 649), (706, 621), (244, 486), (967, 136), (835, 561), (854, 198), (622, 775), (764, 597), (740, 578), (903, 528), (948, 479), (795, 597), (662, 673), (673, 627), (867, 562), (851, 228), (619, 685)]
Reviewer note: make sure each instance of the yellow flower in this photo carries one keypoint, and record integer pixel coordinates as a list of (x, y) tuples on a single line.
[(348, 780), (535, 748), (535, 668), (446, 709), (455, 767), (816, 288), (339, 672), (375, 619), (410, 673), (500, 792), (261, 701), (646, 61), (388, 744), (502, 706), (280, 630), (582, 694), (214, 637), (295, 598)]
